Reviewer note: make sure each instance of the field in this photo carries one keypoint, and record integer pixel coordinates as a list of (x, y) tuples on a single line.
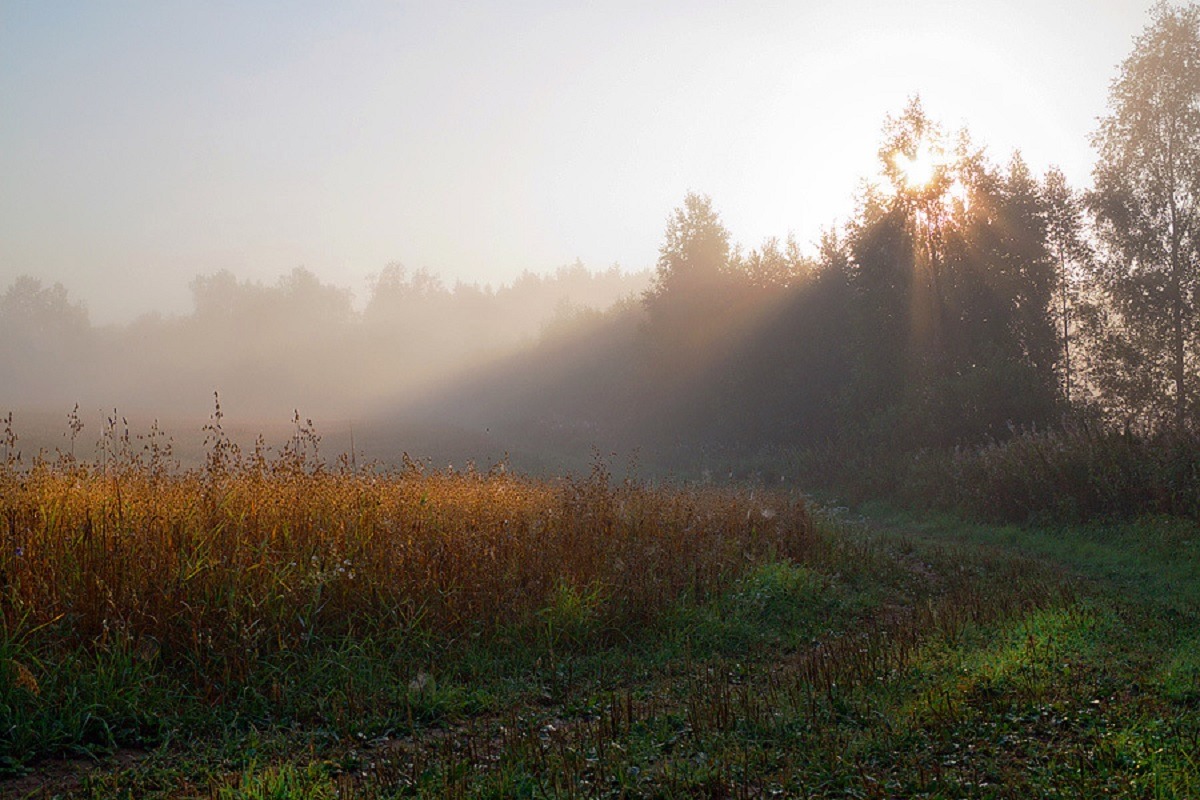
[(269, 626)]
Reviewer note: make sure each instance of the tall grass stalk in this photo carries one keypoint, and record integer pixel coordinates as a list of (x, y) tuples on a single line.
[(212, 570)]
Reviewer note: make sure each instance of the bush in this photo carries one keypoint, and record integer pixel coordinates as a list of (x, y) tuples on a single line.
[(1074, 475)]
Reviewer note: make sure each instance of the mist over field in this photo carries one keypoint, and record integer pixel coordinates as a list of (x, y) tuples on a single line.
[(295, 345), (870, 468)]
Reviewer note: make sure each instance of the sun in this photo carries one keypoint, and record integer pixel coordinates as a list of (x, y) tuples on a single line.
[(919, 171)]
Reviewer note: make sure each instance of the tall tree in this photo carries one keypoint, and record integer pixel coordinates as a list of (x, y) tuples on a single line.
[(689, 313), (694, 254), (952, 282), (921, 174), (1147, 207), (1071, 253)]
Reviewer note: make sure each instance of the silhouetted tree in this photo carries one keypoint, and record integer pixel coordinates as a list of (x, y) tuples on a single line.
[(882, 270), (216, 297), (693, 257), (1001, 360), (952, 284), (773, 267), (788, 381)]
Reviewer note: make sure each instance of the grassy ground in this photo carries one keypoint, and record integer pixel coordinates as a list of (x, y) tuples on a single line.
[(911, 656)]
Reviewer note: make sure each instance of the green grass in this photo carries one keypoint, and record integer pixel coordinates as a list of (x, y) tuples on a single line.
[(1155, 559), (915, 657)]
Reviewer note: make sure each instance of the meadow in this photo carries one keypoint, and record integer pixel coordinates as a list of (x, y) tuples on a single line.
[(270, 625)]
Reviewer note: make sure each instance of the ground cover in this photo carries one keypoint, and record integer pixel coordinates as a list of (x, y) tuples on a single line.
[(327, 633)]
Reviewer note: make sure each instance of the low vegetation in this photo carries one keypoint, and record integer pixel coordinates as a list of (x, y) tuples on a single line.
[(140, 601), (270, 626), (1071, 475)]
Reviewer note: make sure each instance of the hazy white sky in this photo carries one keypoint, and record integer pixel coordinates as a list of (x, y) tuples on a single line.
[(143, 143)]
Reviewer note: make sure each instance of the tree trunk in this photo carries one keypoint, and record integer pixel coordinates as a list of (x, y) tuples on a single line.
[(1062, 287), (1177, 366), (1178, 334)]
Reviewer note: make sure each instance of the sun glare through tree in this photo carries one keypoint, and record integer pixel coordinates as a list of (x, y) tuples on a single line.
[(918, 171)]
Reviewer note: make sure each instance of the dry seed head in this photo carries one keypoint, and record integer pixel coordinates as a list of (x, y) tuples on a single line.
[(23, 678)]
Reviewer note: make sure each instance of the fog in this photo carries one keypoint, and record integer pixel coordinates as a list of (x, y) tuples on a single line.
[(184, 161), (544, 372), (270, 351)]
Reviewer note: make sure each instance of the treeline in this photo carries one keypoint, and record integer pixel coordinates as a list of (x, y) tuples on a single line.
[(297, 343), (933, 319), (965, 304), (966, 299)]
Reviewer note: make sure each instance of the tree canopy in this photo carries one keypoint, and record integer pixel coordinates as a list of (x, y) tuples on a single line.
[(1146, 204)]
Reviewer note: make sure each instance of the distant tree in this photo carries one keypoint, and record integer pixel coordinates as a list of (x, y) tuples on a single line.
[(896, 246), (789, 379), (772, 266), (297, 305), (47, 345), (216, 297), (318, 303), (921, 174), (1146, 204), (31, 310), (691, 314), (694, 255), (1021, 271), (394, 288), (881, 272)]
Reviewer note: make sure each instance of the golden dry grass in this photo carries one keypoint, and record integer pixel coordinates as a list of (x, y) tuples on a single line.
[(253, 556)]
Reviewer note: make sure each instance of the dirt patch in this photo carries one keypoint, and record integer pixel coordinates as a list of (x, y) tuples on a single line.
[(64, 775)]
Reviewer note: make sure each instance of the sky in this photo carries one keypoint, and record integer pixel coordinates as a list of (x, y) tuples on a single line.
[(145, 143)]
